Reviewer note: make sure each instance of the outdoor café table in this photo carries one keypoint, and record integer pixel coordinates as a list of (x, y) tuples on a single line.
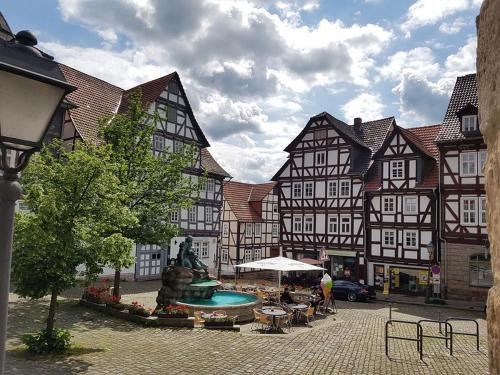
[(274, 313)]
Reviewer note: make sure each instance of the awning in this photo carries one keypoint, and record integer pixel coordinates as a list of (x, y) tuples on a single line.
[(342, 253)]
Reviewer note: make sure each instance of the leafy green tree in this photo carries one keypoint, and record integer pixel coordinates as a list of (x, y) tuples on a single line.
[(71, 196), (153, 186)]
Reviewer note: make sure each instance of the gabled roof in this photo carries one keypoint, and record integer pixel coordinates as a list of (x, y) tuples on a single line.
[(375, 132), (344, 129), (94, 99), (464, 93), (423, 138), (210, 164), (241, 197)]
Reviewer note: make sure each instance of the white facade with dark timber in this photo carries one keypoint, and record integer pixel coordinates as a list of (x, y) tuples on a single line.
[(176, 127), (321, 191), (249, 225), (402, 206), (463, 196)]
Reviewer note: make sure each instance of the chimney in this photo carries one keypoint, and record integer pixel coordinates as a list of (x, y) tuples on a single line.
[(357, 125)]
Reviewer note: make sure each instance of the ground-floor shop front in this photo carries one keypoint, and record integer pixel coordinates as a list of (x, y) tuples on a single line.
[(400, 278)]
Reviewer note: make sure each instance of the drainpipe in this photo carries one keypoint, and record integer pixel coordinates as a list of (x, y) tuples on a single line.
[(365, 245), (439, 222)]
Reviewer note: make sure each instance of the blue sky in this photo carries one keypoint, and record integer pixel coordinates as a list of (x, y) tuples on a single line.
[(256, 70)]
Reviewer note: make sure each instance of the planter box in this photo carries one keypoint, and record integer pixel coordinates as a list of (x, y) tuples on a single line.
[(151, 321), (173, 316), (218, 324)]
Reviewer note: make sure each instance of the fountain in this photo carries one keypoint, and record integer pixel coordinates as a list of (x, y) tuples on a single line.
[(188, 283)]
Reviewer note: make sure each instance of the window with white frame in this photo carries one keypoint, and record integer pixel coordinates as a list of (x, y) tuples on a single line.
[(333, 224), (248, 255), (210, 185), (225, 229), (249, 229), (469, 123), (204, 249), (308, 190), (389, 237), (345, 224), (158, 142), (482, 210), (468, 210), (224, 255), (196, 248), (332, 189), (209, 216), (257, 254), (481, 159), (410, 205), (345, 188), (258, 229), (308, 224), (275, 230), (174, 216), (468, 161), (321, 158), (388, 205), (177, 146), (297, 190), (397, 169), (275, 208), (410, 239), (297, 223), (192, 214)]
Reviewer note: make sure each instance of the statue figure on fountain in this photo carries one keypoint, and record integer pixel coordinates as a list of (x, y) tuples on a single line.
[(188, 258)]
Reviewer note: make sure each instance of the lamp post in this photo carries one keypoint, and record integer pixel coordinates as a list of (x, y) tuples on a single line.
[(31, 89), (430, 250)]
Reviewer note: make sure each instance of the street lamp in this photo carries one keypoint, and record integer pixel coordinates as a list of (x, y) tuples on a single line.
[(31, 89), (430, 250)]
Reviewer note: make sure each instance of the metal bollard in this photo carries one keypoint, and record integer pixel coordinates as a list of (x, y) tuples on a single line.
[(390, 311), (439, 319)]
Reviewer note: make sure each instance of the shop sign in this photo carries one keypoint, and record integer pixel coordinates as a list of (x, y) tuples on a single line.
[(423, 277)]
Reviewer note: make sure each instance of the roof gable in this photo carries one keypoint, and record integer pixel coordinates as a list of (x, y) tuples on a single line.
[(210, 164)]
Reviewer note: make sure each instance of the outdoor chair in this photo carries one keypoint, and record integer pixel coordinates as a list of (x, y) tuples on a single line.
[(256, 319), (266, 321), (307, 314)]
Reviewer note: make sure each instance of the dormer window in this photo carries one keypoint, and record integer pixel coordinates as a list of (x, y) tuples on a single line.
[(469, 123)]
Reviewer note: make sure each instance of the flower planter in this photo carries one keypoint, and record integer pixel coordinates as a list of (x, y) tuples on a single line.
[(218, 324), (168, 316)]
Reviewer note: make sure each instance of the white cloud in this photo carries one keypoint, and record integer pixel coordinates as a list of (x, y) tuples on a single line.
[(418, 61), (428, 12), (368, 106), (453, 27)]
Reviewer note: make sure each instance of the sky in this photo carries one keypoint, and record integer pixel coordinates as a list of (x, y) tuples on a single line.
[(255, 71)]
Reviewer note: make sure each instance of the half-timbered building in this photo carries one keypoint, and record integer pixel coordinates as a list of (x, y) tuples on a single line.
[(467, 269), (321, 191), (401, 210), (249, 224), (177, 127)]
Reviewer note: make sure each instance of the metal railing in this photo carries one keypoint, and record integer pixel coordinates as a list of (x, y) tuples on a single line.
[(448, 338), (417, 339), (476, 334)]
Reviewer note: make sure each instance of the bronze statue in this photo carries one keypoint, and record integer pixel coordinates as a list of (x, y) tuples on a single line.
[(187, 257)]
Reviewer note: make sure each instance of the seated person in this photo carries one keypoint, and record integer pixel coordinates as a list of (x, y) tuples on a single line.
[(286, 297), (317, 298)]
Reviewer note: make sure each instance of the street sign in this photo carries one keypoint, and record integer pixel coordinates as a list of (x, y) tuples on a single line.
[(436, 269)]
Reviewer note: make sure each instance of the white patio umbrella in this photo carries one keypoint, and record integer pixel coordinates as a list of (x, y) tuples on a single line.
[(280, 264)]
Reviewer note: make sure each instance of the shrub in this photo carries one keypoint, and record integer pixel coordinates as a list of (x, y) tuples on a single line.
[(42, 343), (137, 308), (95, 295)]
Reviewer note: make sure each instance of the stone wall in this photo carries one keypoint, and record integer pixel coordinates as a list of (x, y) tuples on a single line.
[(488, 74), (457, 266)]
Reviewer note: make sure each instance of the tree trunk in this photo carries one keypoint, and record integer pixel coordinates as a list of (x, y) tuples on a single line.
[(52, 313), (116, 285)]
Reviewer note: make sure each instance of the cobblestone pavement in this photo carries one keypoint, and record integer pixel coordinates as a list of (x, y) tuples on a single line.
[(351, 342)]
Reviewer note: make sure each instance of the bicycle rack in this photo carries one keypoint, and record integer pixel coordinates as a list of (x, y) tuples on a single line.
[(476, 335), (445, 337), (418, 340)]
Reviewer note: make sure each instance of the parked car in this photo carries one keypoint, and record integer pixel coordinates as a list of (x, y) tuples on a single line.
[(352, 291)]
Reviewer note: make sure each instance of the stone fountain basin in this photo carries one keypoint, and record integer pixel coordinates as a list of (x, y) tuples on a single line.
[(243, 310)]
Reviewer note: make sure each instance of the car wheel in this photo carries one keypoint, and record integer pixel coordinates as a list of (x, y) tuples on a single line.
[(352, 297)]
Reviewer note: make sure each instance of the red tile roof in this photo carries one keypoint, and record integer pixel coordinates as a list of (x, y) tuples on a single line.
[(150, 91), (242, 198), (94, 99), (423, 138)]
